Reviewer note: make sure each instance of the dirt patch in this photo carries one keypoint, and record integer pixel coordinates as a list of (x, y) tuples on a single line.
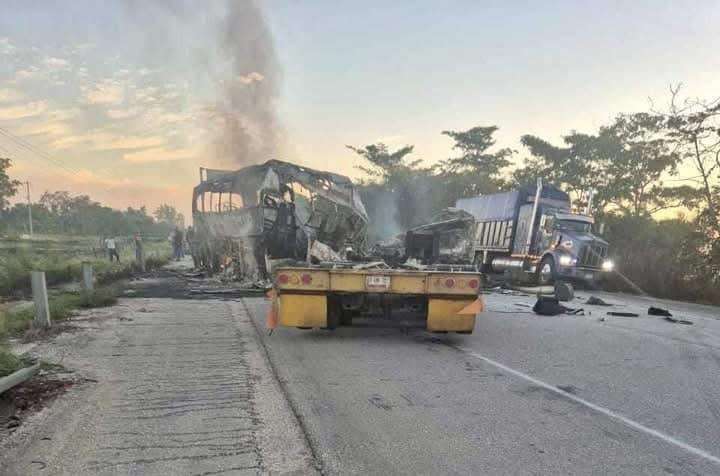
[(18, 403), (174, 284)]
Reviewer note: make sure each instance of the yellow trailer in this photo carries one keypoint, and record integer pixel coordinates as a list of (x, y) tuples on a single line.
[(311, 297)]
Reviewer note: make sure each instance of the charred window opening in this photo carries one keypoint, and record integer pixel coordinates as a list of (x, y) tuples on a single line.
[(277, 211)]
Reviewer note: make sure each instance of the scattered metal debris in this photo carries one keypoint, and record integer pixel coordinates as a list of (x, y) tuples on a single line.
[(595, 301), (678, 321), (564, 291), (246, 219), (658, 311)]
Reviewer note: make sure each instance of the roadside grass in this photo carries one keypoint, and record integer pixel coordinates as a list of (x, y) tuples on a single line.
[(9, 363), (16, 318), (62, 263)]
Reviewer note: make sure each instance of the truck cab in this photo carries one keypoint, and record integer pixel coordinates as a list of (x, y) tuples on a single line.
[(568, 249)]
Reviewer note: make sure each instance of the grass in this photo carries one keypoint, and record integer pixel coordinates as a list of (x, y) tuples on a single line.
[(17, 318), (9, 363), (62, 262)]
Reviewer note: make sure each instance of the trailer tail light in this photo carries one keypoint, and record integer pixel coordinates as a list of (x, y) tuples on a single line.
[(450, 283), (302, 280), (473, 284)]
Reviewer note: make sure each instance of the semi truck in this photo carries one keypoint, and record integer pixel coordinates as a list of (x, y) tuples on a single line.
[(530, 232)]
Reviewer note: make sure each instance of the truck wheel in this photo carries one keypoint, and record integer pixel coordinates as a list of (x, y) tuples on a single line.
[(334, 312), (545, 273)]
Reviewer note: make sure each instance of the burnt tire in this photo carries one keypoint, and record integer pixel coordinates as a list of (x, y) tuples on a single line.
[(546, 271)]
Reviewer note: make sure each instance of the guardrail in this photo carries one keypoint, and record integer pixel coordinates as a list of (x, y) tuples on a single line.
[(18, 377)]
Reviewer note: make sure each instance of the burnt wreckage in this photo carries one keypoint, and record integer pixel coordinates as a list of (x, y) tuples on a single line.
[(250, 219)]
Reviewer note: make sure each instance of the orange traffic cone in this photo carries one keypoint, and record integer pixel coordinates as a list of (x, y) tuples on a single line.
[(272, 315)]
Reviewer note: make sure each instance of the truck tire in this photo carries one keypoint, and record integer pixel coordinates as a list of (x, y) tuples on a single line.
[(334, 312), (545, 272)]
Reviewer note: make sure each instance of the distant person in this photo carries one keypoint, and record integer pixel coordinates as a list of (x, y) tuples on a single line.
[(111, 247), (190, 237), (178, 246)]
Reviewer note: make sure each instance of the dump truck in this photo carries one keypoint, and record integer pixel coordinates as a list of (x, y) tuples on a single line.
[(303, 231), (530, 232)]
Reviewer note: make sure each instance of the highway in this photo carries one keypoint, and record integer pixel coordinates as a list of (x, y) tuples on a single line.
[(525, 394)]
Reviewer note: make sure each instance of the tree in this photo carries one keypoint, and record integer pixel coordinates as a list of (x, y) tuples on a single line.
[(576, 168), (8, 186), (638, 157), (398, 192), (477, 170), (166, 214), (624, 164), (694, 126)]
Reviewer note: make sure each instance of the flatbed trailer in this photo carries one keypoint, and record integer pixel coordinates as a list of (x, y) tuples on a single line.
[(314, 297)]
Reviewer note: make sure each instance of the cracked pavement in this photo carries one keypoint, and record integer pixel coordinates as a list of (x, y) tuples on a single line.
[(182, 388)]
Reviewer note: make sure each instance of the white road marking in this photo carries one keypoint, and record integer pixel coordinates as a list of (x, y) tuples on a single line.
[(609, 413)]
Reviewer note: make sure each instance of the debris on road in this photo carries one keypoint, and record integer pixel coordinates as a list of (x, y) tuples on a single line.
[(623, 314), (34, 394), (595, 301), (658, 311), (564, 291), (678, 321)]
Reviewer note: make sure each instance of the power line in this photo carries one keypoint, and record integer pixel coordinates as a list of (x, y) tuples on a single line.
[(42, 152), (18, 141), (29, 147)]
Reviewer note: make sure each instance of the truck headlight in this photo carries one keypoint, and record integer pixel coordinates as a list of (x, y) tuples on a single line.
[(608, 265), (565, 260)]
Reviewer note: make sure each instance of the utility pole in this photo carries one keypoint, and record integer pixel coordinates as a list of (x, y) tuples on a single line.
[(29, 207)]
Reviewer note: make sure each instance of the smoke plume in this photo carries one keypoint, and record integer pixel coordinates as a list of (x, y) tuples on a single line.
[(228, 49), (249, 127)]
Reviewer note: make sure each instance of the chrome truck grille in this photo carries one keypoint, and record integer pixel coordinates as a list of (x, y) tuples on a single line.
[(593, 255)]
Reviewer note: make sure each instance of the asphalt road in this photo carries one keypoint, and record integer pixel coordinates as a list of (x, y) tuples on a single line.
[(172, 387), (525, 394)]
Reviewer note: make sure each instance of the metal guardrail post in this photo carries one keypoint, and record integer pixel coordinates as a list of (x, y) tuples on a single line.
[(18, 377)]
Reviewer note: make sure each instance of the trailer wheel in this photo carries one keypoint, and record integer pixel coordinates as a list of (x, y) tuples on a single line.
[(334, 312), (545, 272)]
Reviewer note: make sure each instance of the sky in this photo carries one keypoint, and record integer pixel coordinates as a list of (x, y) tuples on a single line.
[(124, 100)]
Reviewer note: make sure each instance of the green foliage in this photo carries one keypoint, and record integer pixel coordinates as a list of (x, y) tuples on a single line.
[(167, 214), (9, 363), (666, 258), (15, 319), (62, 261), (392, 194), (476, 171), (8, 186), (60, 213)]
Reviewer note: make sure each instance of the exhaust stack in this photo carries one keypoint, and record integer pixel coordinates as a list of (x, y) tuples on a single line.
[(538, 191)]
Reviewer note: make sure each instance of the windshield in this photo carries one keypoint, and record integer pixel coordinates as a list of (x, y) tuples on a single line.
[(573, 225)]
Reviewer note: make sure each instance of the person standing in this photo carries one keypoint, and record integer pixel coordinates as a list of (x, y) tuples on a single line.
[(190, 237), (111, 247), (178, 243)]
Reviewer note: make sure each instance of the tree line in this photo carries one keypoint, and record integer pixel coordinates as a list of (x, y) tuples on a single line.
[(655, 177), (61, 213)]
